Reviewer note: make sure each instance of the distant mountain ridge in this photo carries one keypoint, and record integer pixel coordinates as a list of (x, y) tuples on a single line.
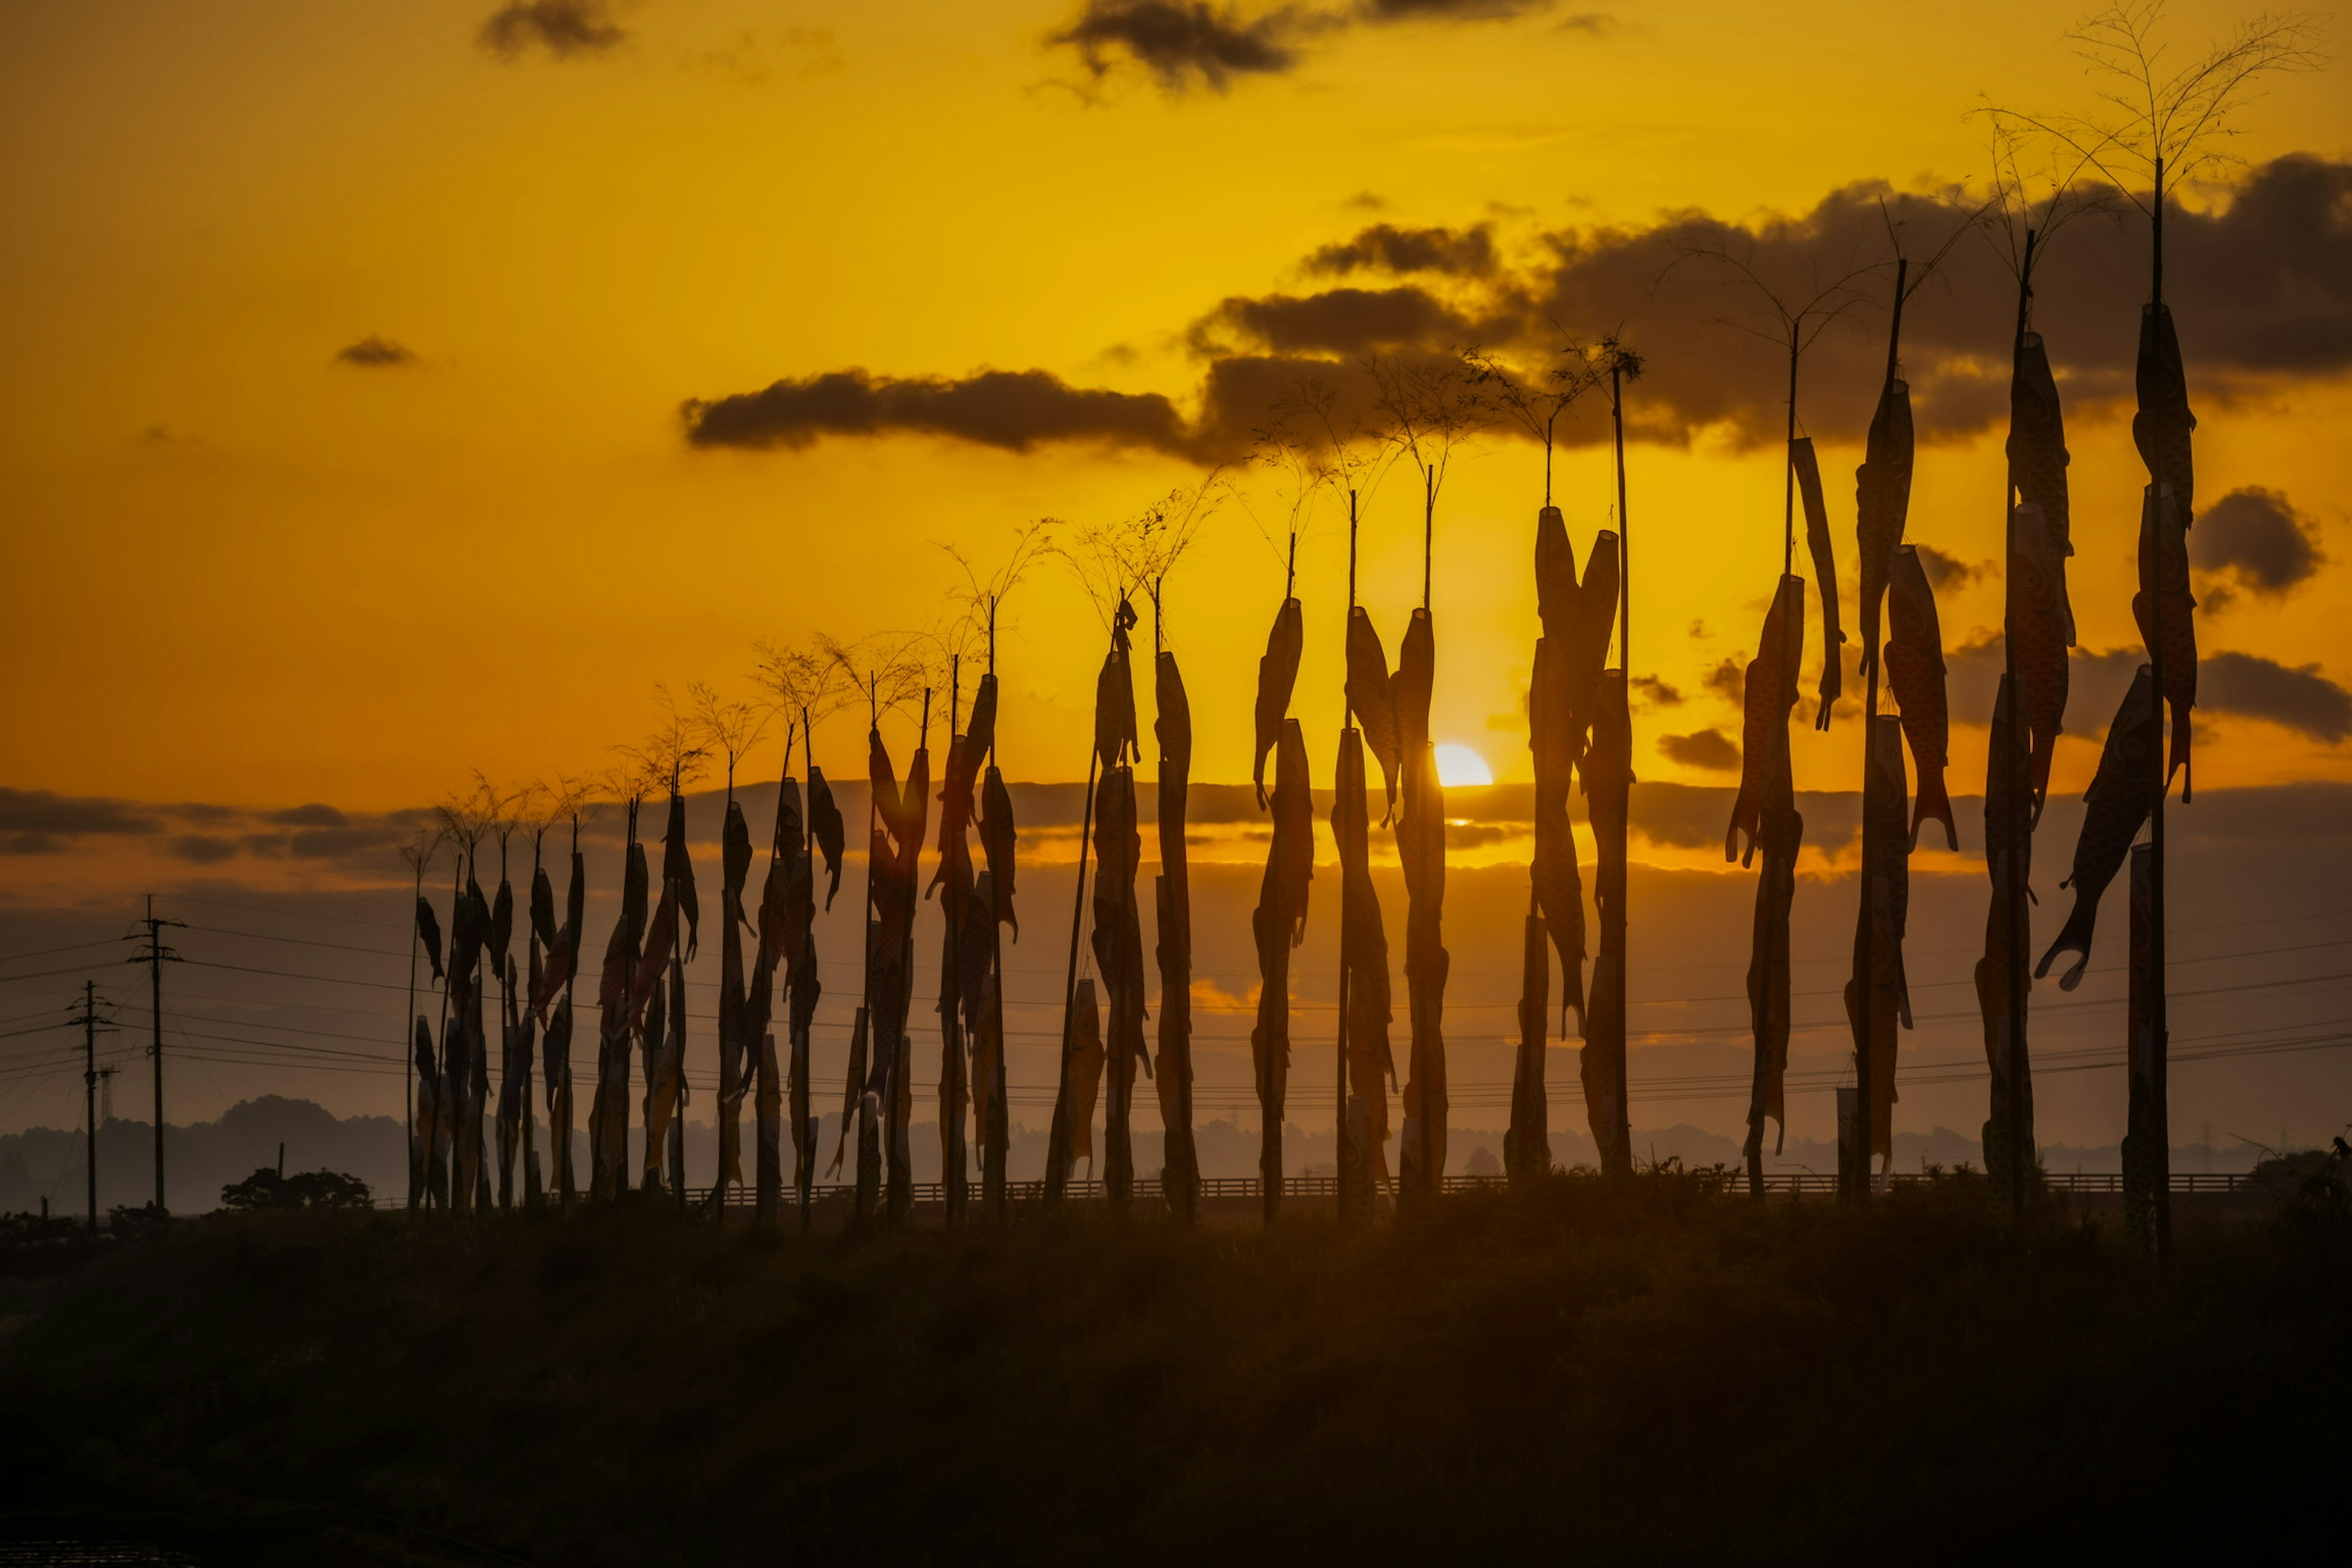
[(202, 1157)]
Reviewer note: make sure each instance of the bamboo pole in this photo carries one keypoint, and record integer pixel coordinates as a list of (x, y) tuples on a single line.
[(1625, 663), (1345, 1156), (1057, 1139), (407, 1049), (1863, 1088), (954, 1094), (2021, 830), (2158, 1038)]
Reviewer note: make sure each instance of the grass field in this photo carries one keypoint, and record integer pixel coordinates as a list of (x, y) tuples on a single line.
[(1654, 1370)]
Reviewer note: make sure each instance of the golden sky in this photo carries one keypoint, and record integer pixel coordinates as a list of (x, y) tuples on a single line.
[(243, 569)]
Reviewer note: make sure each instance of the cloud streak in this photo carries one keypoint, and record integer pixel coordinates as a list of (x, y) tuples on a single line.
[(566, 29)]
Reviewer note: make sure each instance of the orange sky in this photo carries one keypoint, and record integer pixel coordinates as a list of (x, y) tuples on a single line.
[(242, 570)]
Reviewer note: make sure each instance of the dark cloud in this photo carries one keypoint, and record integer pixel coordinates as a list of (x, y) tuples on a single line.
[(1187, 44), (372, 352), (1655, 693), (1344, 322), (566, 29), (202, 848), (2300, 698), (2263, 290), (1387, 248), (1951, 570), (1012, 409), (1592, 23), (1184, 43), (40, 811), (1728, 680), (1448, 10), (315, 814), (1710, 749), (338, 842), (2253, 539), (30, 843), (2097, 680)]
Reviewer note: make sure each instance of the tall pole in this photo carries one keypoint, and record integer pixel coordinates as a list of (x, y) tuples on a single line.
[(1341, 1171), (90, 1023), (155, 957), (89, 1086), (2021, 830), (996, 1156), (408, 1042), (954, 1094), (1057, 1139), (1625, 663), (1789, 468), (1867, 1119), (2158, 1041)]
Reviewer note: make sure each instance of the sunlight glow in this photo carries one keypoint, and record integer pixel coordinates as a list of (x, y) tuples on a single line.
[(1458, 764)]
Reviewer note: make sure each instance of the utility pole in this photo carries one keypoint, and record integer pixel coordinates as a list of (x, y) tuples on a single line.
[(90, 1025), (155, 956)]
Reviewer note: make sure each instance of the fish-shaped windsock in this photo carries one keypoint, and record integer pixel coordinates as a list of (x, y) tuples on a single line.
[(1882, 502), (576, 908), (735, 855), (1369, 697), (825, 827), (620, 968), (1589, 631), (677, 866), (979, 728), (2163, 427), (914, 816), (543, 907), (2036, 620), (502, 937), (1277, 672), (428, 931), (1556, 590), (2121, 796), (1115, 726), (1823, 551), (1559, 881), (2164, 581), (1290, 864), (555, 1054), (1365, 935), (997, 840), (636, 898), (1172, 724), (787, 898), (1915, 666), (2038, 459), (661, 937), (424, 1070), (1083, 1083), (1771, 694), (470, 929), (1415, 677), (2007, 801)]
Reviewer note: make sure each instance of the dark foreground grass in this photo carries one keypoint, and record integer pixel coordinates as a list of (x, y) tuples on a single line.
[(1656, 1372)]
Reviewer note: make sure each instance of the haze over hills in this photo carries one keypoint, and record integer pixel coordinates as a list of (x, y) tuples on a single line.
[(297, 967)]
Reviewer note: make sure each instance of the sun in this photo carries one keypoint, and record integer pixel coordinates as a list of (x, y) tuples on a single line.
[(1458, 764)]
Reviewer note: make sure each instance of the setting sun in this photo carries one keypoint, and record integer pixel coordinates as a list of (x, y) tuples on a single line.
[(1458, 764)]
